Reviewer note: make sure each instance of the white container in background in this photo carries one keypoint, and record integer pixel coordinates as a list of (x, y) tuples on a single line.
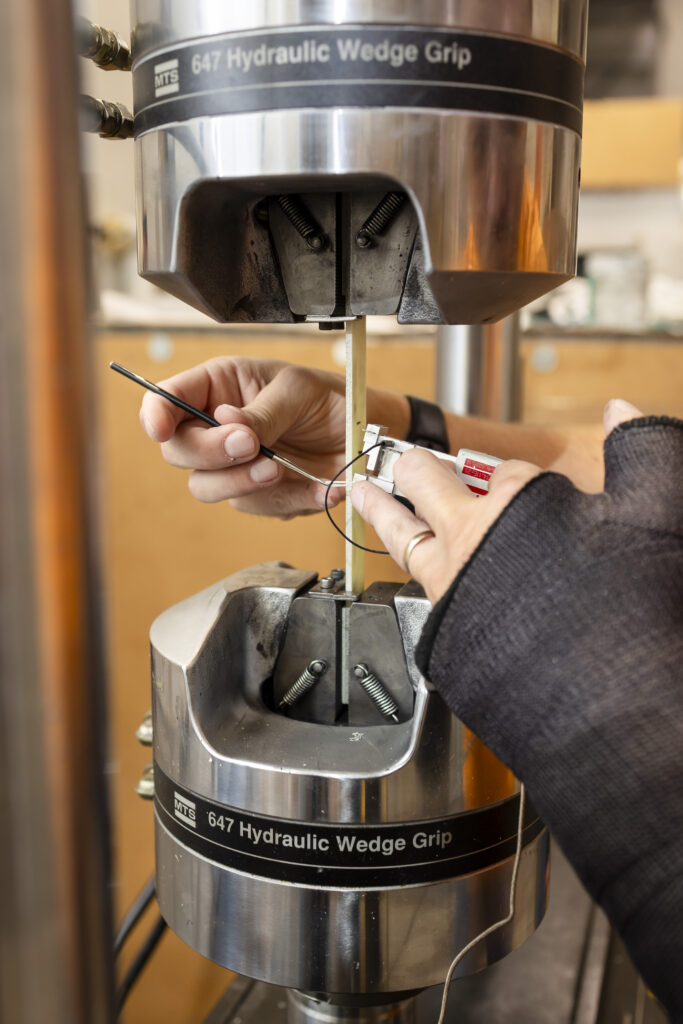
[(619, 279)]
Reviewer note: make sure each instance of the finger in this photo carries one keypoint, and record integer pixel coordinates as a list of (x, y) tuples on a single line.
[(323, 497), (508, 478), (278, 406), (432, 486), (618, 411), (255, 477), (219, 485), (289, 499), (198, 386), (393, 523), (194, 446)]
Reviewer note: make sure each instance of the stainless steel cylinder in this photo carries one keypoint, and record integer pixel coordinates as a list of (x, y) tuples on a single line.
[(471, 109), (478, 370), (348, 855)]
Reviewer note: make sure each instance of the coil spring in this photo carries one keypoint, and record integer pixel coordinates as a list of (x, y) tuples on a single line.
[(300, 218), (377, 692), (306, 681), (380, 218)]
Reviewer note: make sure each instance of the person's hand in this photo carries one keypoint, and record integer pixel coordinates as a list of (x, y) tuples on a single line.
[(298, 412), (443, 504)]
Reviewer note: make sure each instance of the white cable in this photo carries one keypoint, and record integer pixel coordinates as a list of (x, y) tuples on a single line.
[(498, 924)]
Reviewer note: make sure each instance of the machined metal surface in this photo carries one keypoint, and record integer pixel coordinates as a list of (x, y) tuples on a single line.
[(259, 814), (210, 657), (306, 1009), (106, 119), (344, 941), (494, 195), (158, 22), (571, 971), (478, 369)]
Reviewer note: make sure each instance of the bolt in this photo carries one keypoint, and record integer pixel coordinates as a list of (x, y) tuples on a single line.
[(327, 582), (317, 667), (261, 212), (338, 575), (360, 670), (316, 242), (363, 240), (145, 787), (144, 732)]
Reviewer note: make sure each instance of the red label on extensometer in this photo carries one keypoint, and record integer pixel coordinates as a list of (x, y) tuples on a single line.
[(480, 470)]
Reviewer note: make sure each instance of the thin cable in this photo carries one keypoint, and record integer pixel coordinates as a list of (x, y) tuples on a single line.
[(332, 483), (284, 461), (140, 962), (498, 924), (134, 913)]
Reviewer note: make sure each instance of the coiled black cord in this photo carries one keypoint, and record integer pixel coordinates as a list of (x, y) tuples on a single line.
[(371, 551)]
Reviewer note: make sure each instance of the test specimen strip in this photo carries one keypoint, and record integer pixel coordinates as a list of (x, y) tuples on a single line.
[(355, 527)]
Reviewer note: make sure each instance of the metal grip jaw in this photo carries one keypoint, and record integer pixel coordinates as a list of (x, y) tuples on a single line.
[(361, 848)]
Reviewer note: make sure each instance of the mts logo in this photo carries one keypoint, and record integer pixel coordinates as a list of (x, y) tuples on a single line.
[(166, 78), (185, 809)]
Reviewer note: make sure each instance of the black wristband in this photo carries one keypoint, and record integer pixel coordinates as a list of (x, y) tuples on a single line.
[(427, 425)]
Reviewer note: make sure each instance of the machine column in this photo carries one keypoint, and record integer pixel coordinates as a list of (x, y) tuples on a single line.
[(305, 1009), (55, 926), (478, 369)]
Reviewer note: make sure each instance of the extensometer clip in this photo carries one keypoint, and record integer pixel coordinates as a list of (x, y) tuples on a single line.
[(473, 468)]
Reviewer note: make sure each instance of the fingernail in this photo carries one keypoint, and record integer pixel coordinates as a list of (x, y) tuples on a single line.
[(618, 411), (240, 445), (263, 470), (621, 406)]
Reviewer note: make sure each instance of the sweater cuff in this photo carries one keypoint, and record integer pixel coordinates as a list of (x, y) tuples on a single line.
[(433, 624), (643, 457)]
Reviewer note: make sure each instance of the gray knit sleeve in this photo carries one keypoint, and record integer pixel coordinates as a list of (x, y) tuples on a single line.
[(560, 644)]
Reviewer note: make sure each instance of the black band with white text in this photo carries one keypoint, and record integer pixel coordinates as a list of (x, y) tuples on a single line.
[(358, 66), (341, 855)]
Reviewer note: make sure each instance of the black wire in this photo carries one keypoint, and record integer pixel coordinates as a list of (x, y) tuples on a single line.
[(179, 402), (134, 913), (139, 963), (372, 551)]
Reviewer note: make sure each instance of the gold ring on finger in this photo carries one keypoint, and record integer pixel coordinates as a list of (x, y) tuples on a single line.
[(412, 544)]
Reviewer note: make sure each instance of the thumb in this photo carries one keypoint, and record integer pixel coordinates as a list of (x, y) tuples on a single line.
[(432, 487), (276, 408), (618, 411)]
